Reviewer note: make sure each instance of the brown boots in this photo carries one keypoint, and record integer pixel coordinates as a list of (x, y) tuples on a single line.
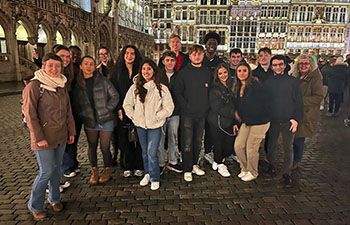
[(106, 175), (94, 176)]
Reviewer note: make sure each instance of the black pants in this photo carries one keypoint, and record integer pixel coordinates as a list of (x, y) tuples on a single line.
[(223, 143), (208, 143), (192, 131), (335, 100), (131, 153)]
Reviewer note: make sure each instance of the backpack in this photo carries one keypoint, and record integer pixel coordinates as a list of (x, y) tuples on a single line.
[(23, 121)]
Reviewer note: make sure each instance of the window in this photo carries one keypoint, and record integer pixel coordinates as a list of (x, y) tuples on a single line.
[(335, 15), (223, 2), (278, 12), (270, 12), (328, 13), (201, 36), (294, 14), (222, 17), (3, 48), (155, 13), (212, 17), (302, 13), (284, 11), (213, 2), (342, 15), (168, 11), (310, 13), (263, 11), (178, 15), (190, 33), (162, 12), (191, 15), (184, 14), (268, 27), (283, 27), (204, 2), (253, 27), (263, 27), (203, 17)]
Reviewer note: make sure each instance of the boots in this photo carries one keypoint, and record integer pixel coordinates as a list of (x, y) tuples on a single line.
[(94, 176), (106, 175)]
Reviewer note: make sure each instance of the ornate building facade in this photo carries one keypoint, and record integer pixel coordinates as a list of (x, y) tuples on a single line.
[(40, 24)]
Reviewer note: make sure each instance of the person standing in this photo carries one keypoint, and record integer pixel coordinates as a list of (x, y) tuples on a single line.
[(167, 77), (97, 101), (235, 58), (191, 91), (286, 111), (311, 88), (221, 118), (49, 118), (126, 69), (106, 64), (263, 71), (148, 103)]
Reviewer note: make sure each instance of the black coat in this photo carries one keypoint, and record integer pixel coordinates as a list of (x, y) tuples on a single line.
[(337, 76), (261, 74), (170, 85)]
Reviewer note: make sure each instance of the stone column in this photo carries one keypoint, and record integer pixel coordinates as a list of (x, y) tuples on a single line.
[(13, 50)]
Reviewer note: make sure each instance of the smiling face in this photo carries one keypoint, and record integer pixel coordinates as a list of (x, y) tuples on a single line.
[(169, 63), (147, 72), (304, 66), (103, 54), (235, 59), (175, 44), (264, 58), (52, 67), (129, 56), (65, 56), (278, 66), (87, 66), (211, 45), (223, 75), (242, 72), (196, 58)]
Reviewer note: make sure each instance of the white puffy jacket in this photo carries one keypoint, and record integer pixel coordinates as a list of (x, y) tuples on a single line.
[(153, 113)]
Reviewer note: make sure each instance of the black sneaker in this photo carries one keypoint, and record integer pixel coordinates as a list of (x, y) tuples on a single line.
[(176, 168), (287, 180)]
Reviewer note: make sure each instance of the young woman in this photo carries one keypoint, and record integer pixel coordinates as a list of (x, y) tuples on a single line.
[(97, 100), (221, 118), (252, 112), (127, 67), (48, 114), (148, 103)]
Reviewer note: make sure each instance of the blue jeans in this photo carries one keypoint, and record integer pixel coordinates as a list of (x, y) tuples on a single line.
[(49, 162), (298, 148), (149, 141), (172, 126)]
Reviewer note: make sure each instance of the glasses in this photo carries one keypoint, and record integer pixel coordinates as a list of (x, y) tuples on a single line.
[(280, 64), (304, 64)]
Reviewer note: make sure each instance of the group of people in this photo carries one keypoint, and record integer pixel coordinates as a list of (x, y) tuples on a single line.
[(158, 115)]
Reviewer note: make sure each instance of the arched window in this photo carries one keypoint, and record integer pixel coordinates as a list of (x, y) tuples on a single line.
[(3, 47), (59, 38)]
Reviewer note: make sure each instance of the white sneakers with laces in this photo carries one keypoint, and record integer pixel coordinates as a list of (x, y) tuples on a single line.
[(198, 171), (145, 180), (248, 177), (222, 170)]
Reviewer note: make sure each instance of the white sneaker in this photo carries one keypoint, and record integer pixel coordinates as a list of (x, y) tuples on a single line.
[(198, 171), (145, 180), (154, 186), (209, 157), (222, 169), (188, 176), (242, 174), (127, 173), (214, 166), (248, 177), (321, 108)]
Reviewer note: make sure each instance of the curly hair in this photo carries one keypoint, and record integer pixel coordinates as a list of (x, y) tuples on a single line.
[(140, 80), (121, 61)]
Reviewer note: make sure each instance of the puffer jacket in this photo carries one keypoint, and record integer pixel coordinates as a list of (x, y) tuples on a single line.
[(48, 115), (105, 98), (153, 112)]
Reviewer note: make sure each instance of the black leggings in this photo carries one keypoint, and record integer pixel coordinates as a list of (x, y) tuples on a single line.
[(105, 138)]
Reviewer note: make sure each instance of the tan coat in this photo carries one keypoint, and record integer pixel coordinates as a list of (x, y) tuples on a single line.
[(311, 88), (153, 113), (48, 115)]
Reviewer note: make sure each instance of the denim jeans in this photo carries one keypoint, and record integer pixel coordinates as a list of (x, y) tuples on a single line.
[(49, 162), (172, 127), (192, 132), (149, 141), (287, 141), (298, 147)]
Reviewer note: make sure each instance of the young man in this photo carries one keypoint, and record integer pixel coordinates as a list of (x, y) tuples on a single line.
[(286, 110), (211, 61), (263, 71), (235, 58), (171, 127), (191, 91)]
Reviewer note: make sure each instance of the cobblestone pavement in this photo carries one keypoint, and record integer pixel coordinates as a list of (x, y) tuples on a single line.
[(321, 194)]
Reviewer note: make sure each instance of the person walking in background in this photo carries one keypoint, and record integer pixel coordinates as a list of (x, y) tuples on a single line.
[(47, 110), (148, 104), (253, 113), (126, 69), (191, 91), (221, 118), (97, 101), (311, 88), (167, 77)]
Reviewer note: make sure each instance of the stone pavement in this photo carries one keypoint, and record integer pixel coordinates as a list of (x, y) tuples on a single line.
[(321, 194)]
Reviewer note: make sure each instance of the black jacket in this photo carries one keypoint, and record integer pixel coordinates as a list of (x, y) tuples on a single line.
[(253, 106), (222, 107), (105, 101), (212, 64), (170, 85), (191, 91), (285, 98), (185, 61), (260, 73), (337, 76)]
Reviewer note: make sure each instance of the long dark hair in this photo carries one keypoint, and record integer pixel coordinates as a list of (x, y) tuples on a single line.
[(238, 83), (80, 77), (140, 81), (217, 83), (121, 66)]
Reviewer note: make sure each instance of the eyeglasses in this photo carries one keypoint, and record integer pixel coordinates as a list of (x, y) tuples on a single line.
[(304, 64), (280, 64)]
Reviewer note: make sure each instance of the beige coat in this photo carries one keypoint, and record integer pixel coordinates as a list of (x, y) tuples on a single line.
[(48, 115), (153, 113)]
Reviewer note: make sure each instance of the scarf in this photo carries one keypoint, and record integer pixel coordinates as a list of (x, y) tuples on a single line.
[(50, 82)]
